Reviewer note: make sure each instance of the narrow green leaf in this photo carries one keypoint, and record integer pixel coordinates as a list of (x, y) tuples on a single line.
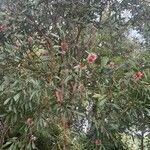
[(16, 97), (7, 101), (101, 103), (104, 61), (6, 144)]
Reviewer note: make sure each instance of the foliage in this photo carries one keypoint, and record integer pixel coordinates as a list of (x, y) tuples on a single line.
[(69, 64)]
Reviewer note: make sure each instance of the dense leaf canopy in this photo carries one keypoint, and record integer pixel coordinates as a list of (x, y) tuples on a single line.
[(72, 76)]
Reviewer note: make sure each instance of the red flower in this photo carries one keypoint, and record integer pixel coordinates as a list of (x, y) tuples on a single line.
[(64, 46), (98, 141), (110, 65), (82, 66), (63, 52), (44, 53), (59, 95), (91, 58), (137, 76), (67, 124), (30, 122), (2, 27), (30, 40)]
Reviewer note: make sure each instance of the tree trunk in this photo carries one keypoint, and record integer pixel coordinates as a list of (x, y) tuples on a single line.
[(142, 141)]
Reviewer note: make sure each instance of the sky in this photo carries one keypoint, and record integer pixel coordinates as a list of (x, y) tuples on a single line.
[(132, 33)]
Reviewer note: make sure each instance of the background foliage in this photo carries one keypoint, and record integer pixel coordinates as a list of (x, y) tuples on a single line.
[(52, 97)]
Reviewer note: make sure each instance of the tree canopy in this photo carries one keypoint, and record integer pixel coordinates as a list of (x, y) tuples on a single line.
[(72, 76)]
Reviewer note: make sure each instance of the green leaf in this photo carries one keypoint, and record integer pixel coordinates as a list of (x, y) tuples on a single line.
[(55, 35), (29, 146), (67, 79), (101, 103), (104, 61), (33, 145), (99, 96), (7, 143), (2, 115), (7, 101), (148, 112), (79, 113), (11, 147), (96, 95), (16, 97), (32, 95), (115, 106)]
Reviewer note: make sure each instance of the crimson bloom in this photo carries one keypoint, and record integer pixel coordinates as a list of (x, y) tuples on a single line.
[(91, 58), (82, 66), (64, 46), (98, 142), (137, 76), (30, 40), (29, 122), (2, 27), (59, 95), (110, 65)]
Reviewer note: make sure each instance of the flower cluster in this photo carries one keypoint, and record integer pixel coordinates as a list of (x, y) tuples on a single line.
[(64, 47), (59, 95), (3, 27), (110, 65), (30, 40), (98, 142), (29, 122), (91, 58), (137, 76)]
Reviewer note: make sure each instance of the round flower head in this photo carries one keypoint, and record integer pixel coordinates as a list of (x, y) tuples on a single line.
[(137, 76), (30, 40), (98, 142), (64, 46), (91, 58), (29, 122)]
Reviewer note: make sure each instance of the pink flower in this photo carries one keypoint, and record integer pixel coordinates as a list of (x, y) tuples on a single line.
[(98, 142), (110, 65), (137, 76), (17, 43), (3, 27), (30, 40), (64, 46), (59, 95), (91, 58), (82, 66), (63, 52), (44, 53), (29, 122)]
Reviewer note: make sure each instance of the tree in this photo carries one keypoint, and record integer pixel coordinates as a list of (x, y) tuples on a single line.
[(66, 64)]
